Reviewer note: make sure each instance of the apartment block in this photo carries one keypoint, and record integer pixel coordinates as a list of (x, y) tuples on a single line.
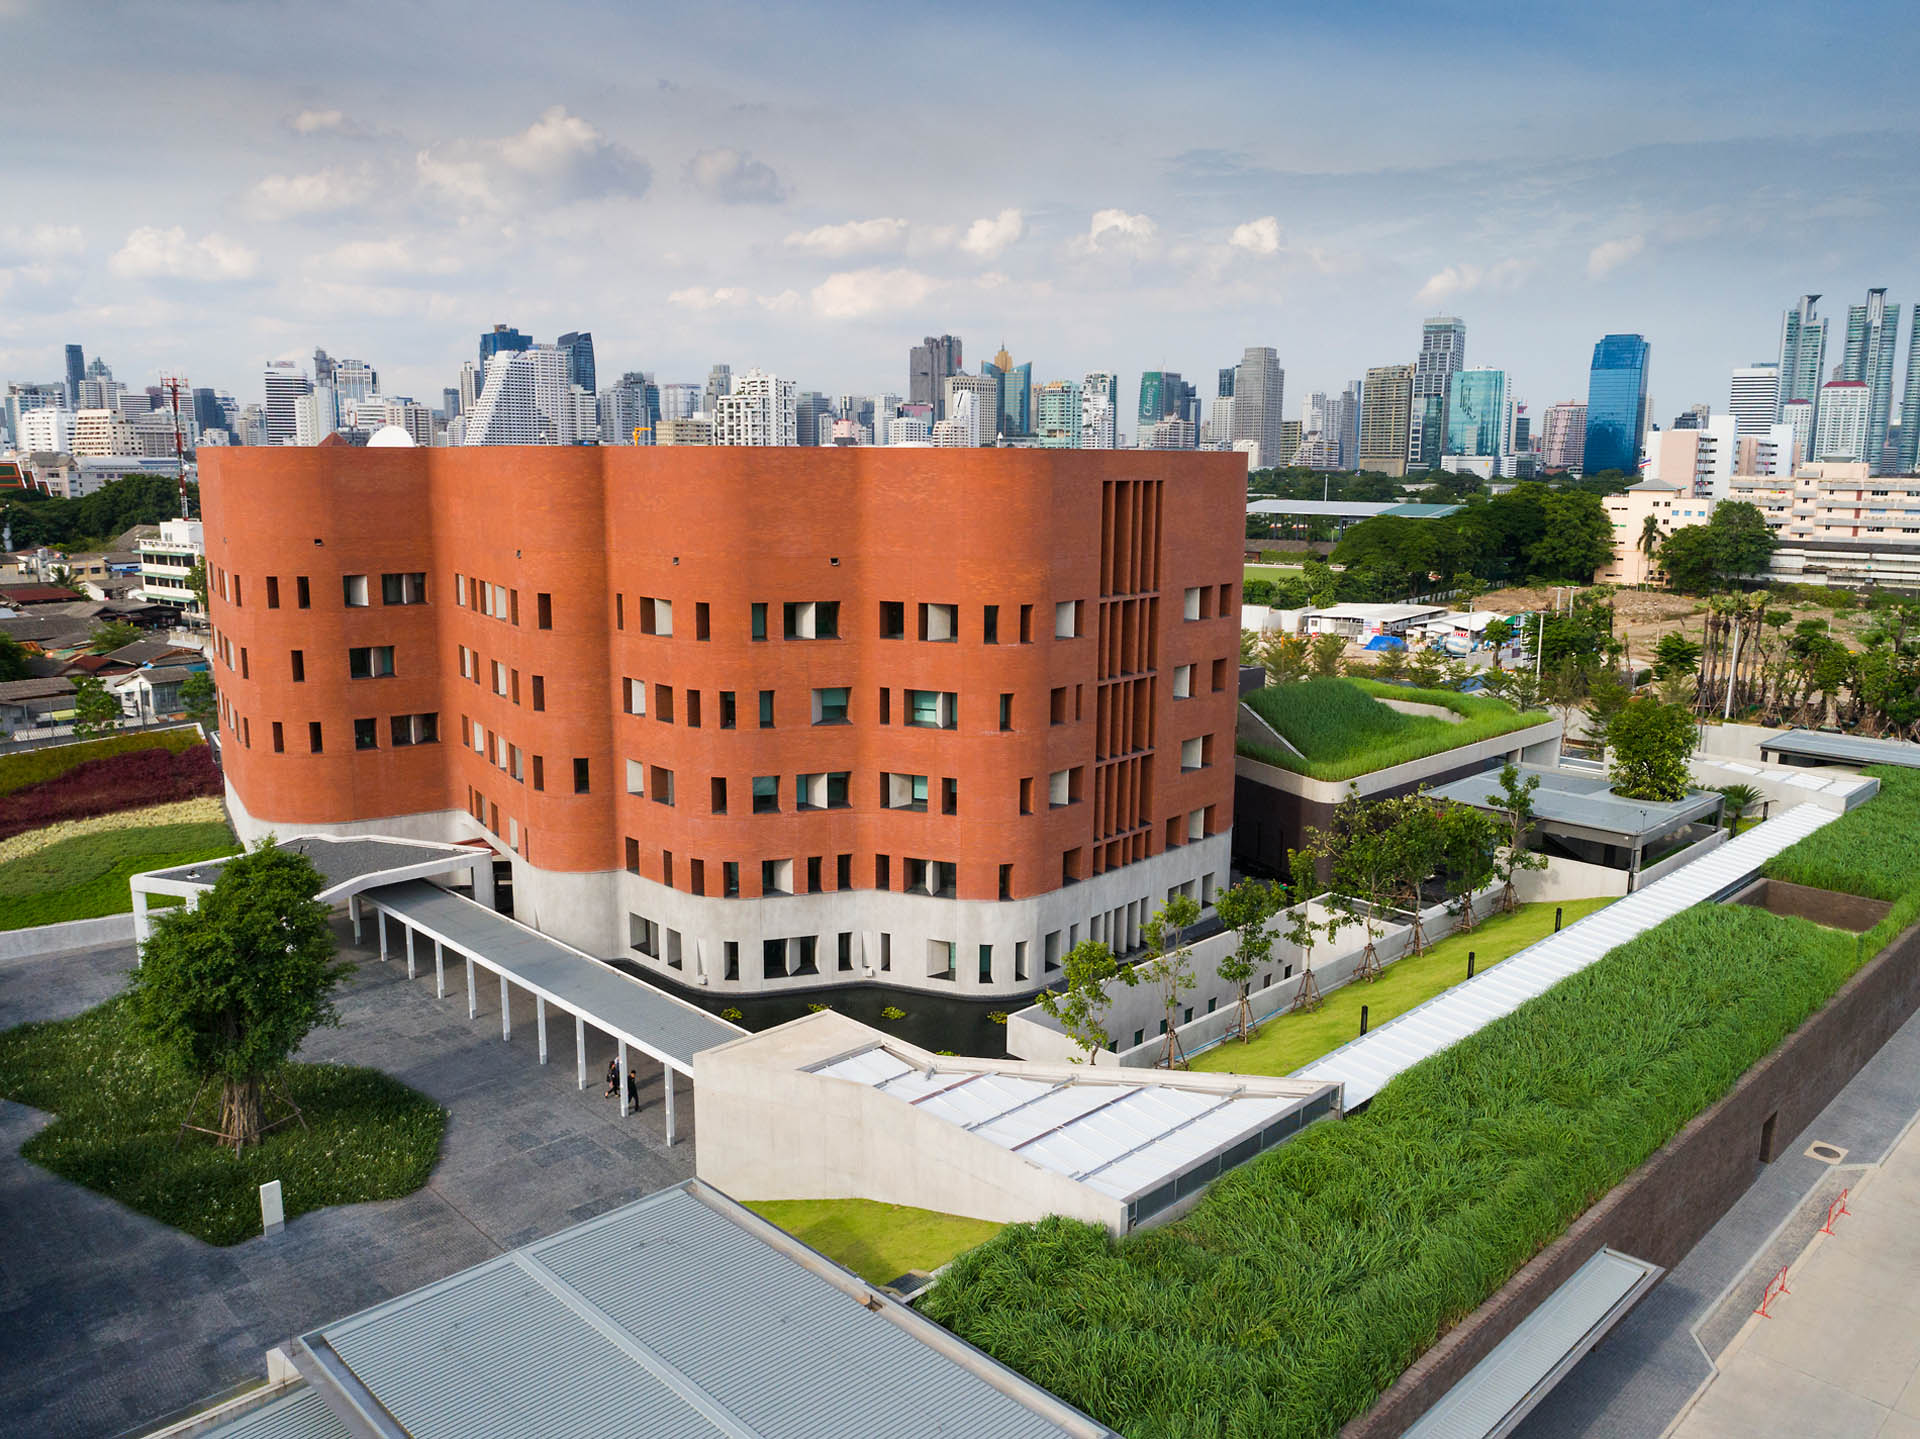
[(756, 720)]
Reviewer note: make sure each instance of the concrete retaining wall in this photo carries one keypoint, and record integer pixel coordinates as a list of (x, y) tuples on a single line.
[(76, 934), (1667, 1205)]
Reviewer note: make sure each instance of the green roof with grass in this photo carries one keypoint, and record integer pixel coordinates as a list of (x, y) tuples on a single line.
[(1342, 730), (879, 1242), (87, 877)]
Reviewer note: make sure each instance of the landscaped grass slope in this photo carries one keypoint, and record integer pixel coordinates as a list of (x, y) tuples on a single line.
[(86, 877), (120, 1107), (1309, 1278), (133, 780), (879, 1242), (37, 766), (1343, 731), (1873, 850), (1288, 1041)]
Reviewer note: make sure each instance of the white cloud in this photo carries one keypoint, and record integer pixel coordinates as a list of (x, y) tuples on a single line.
[(853, 238), (282, 197), (699, 297), (785, 300), (734, 177), (1261, 236), (987, 238), (312, 122), (40, 242), (558, 159), (1116, 230), (152, 253), (1610, 255), (392, 257), (854, 294), (1463, 279)]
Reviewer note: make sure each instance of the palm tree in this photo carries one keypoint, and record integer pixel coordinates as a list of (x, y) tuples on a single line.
[(1651, 538), (1740, 798)]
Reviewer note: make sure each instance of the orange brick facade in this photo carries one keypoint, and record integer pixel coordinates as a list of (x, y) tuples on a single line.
[(581, 555)]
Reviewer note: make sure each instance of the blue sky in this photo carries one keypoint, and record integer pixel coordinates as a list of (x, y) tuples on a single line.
[(210, 185)]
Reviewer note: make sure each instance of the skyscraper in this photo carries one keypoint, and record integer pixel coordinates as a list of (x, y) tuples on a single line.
[(719, 385), (1910, 405), (1477, 413), (1803, 354), (578, 345), (1225, 392), (1616, 404), (1563, 441), (1873, 330), (1259, 401), (76, 372), (1099, 397), (1844, 421), (929, 365), (1165, 396), (285, 382), (984, 412), (501, 338), (758, 410), (1057, 415), (1385, 404), (1797, 416), (1754, 402), (813, 413), (526, 399), (1343, 426), (1443, 353)]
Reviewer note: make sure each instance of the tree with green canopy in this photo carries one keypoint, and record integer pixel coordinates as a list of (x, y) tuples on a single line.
[(1246, 908), (1081, 1002)]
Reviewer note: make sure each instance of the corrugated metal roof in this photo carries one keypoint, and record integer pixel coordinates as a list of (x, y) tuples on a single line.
[(1120, 1136), (680, 1314), (1584, 800), (301, 1414), (659, 1022), (1498, 1392), (1365, 1065), (1843, 748)]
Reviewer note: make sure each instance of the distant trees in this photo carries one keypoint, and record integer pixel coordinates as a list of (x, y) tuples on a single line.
[(199, 698), (109, 511), (1733, 544), (94, 710), (112, 635)]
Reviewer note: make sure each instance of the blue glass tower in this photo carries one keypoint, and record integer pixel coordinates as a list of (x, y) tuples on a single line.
[(501, 337), (1616, 404), (579, 347)]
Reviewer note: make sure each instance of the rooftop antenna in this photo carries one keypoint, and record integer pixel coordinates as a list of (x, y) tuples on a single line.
[(172, 384)]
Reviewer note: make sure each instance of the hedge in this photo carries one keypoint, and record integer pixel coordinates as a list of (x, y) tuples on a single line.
[(1343, 731), (1307, 1280), (37, 766), (130, 780)]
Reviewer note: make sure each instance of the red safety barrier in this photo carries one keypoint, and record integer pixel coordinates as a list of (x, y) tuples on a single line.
[(1776, 1286), (1836, 1210)]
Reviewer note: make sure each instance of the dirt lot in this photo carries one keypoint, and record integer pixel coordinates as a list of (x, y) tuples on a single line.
[(1643, 616)]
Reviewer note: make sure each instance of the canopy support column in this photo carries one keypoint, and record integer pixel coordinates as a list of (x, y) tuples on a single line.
[(354, 912), (409, 929), (380, 920), (666, 1075), (473, 997), (540, 1022), (623, 1079), (580, 1047), (506, 1009), (439, 970)]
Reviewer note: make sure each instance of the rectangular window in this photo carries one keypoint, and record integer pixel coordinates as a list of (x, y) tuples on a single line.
[(766, 709), (990, 625), (821, 791), (515, 767), (663, 703), (776, 876), (1019, 961), (903, 791), (370, 662), (766, 794), (702, 625), (354, 590), (1220, 675), (693, 709), (1183, 682), (633, 855), (633, 696), (366, 734), (933, 709), (727, 713), (886, 706), (643, 935), (939, 624), (279, 738), (830, 706), (539, 692), (813, 874), (1066, 620), (245, 671), (1190, 609), (656, 616), (499, 674), (414, 729), (844, 950), (666, 872), (697, 876), (409, 588), (636, 777), (619, 612), (811, 620), (513, 609), (313, 736), (773, 952), (843, 872), (1060, 788), (1006, 713), (660, 785), (758, 620), (1026, 624), (717, 787), (543, 610), (1191, 754), (730, 884), (1026, 796), (1006, 881), (893, 620), (1197, 824), (949, 796), (1057, 705), (882, 871), (273, 592), (302, 596), (986, 964), (581, 777), (539, 773)]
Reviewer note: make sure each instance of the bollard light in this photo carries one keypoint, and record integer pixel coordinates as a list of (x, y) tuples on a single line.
[(1469, 964), (1363, 1019), (1557, 912)]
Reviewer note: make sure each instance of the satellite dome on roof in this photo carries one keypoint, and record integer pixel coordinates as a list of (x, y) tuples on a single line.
[(390, 437)]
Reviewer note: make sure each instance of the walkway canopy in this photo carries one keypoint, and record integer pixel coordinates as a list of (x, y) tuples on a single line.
[(1814, 747)]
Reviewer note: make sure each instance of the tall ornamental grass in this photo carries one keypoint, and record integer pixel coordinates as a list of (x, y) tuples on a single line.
[(1343, 730), (1307, 1280)]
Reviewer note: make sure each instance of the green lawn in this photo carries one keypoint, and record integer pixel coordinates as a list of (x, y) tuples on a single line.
[(1287, 1041), (119, 1105), (1275, 572), (86, 877), (879, 1242), (1342, 730)]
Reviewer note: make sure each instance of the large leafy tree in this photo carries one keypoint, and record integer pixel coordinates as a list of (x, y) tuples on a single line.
[(1734, 543), (13, 659), (1648, 743), (1577, 540), (1415, 843), (1081, 1002), (1469, 850), (1247, 909), (94, 710), (231, 988), (112, 635)]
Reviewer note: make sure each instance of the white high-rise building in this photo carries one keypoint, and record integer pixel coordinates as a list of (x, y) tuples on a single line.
[(1697, 462), (470, 378), (1755, 399), (1797, 416), (1844, 414), (316, 415), (355, 379), (50, 430), (985, 410), (1217, 432), (1099, 392), (1259, 399), (907, 430), (584, 421), (101, 432), (679, 402), (285, 383), (761, 409), (525, 399), (886, 408), (1771, 453)]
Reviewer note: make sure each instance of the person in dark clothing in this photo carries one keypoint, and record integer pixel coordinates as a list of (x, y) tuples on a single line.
[(633, 1092), (613, 1078)]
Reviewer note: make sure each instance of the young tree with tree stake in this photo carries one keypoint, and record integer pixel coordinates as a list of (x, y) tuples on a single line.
[(94, 710), (1361, 858), (1167, 966), (1469, 850), (1515, 801), (1413, 844), (1246, 909), (1302, 929), (231, 988), (1648, 745), (1082, 1001)]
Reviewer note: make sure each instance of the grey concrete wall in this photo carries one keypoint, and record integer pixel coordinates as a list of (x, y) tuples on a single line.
[(76, 934)]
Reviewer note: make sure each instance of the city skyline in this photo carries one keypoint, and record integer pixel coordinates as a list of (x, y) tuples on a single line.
[(689, 212)]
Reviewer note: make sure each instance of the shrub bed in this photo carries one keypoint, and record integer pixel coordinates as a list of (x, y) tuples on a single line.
[(37, 766), (1343, 730), (130, 780), (1307, 1280), (86, 877), (120, 1107)]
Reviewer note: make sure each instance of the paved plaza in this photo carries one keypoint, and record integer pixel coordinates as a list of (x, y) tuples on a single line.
[(109, 1320)]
